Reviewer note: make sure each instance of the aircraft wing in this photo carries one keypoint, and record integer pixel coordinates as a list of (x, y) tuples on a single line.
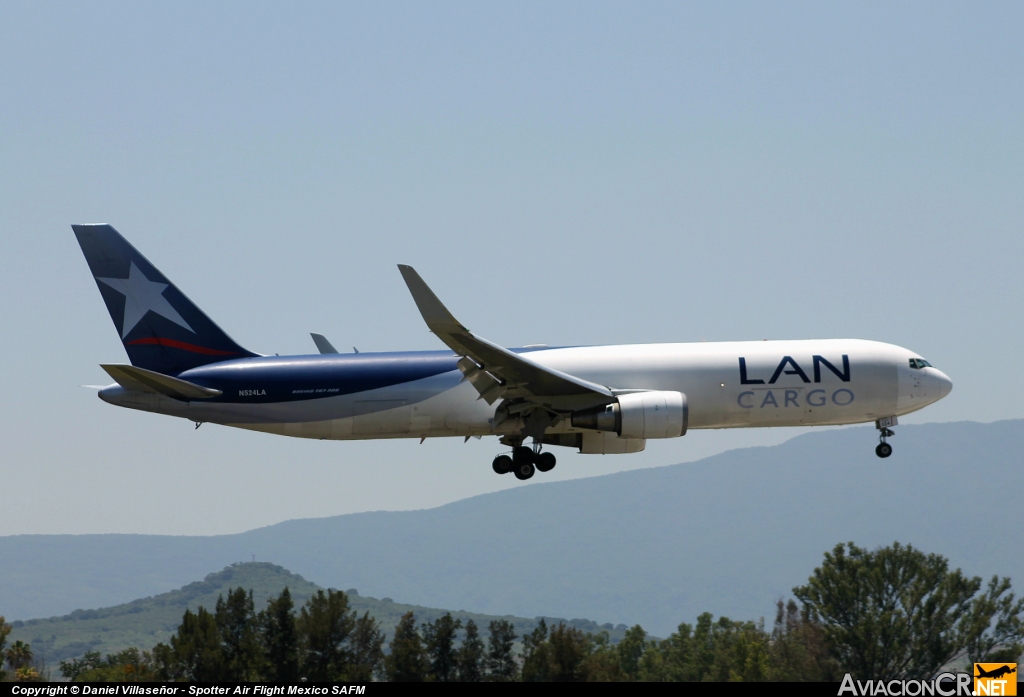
[(497, 372)]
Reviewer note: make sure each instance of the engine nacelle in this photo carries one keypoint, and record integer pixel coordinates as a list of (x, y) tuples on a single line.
[(639, 415)]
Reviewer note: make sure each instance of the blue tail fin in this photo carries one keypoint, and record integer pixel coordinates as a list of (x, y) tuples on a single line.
[(161, 329)]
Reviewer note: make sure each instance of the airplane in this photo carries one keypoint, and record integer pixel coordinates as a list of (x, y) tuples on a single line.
[(595, 399), (994, 673)]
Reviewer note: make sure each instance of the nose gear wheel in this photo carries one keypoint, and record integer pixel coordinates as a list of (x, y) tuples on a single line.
[(884, 450)]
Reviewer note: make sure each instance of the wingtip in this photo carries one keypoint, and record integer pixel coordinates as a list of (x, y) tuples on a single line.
[(410, 276)]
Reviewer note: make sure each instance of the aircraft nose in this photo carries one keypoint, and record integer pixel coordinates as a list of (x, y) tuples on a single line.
[(943, 385)]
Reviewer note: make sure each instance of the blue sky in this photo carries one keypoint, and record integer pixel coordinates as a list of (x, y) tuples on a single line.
[(564, 173)]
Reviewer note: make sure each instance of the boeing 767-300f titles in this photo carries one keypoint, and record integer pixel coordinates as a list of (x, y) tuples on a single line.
[(597, 399)]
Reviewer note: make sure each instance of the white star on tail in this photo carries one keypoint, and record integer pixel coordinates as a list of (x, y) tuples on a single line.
[(140, 296)]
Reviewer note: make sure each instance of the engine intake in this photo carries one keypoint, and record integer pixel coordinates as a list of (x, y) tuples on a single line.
[(638, 415)]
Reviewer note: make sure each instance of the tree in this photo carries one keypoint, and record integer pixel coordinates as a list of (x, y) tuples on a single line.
[(325, 626), (631, 650), (798, 649), (130, 665), (568, 654), (167, 667), (899, 613), (27, 674), (407, 661), (471, 655), (569, 646), (712, 650), (19, 655), (536, 654), (366, 650), (738, 650), (236, 621), (602, 662), (90, 660), (439, 637), (501, 664), (670, 660), (280, 639), (5, 630), (993, 629), (195, 653)]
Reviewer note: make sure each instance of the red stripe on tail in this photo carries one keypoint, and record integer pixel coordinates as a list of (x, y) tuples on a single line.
[(172, 343)]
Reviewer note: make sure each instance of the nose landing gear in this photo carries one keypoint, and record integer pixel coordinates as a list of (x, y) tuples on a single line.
[(884, 449), (524, 462)]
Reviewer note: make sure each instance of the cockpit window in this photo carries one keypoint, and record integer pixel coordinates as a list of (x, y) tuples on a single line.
[(918, 363)]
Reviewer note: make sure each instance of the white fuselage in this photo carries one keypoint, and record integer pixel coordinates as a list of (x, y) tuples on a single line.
[(727, 385)]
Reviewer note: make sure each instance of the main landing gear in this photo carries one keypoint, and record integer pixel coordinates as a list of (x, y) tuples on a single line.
[(524, 461), (884, 449)]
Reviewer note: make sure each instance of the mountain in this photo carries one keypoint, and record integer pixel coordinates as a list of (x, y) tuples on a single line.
[(145, 622), (729, 534)]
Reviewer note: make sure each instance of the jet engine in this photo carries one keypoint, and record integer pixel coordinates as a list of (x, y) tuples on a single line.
[(638, 415)]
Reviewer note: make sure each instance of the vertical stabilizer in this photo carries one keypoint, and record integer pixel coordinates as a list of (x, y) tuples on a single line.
[(161, 329)]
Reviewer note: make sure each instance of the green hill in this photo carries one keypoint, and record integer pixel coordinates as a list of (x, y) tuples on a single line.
[(147, 621)]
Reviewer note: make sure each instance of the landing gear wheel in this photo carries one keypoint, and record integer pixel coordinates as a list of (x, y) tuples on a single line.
[(545, 462), (884, 449), (502, 464), (523, 470), (522, 455)]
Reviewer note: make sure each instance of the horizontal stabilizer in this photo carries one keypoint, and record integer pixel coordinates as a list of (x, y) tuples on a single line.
[(131, 377)]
